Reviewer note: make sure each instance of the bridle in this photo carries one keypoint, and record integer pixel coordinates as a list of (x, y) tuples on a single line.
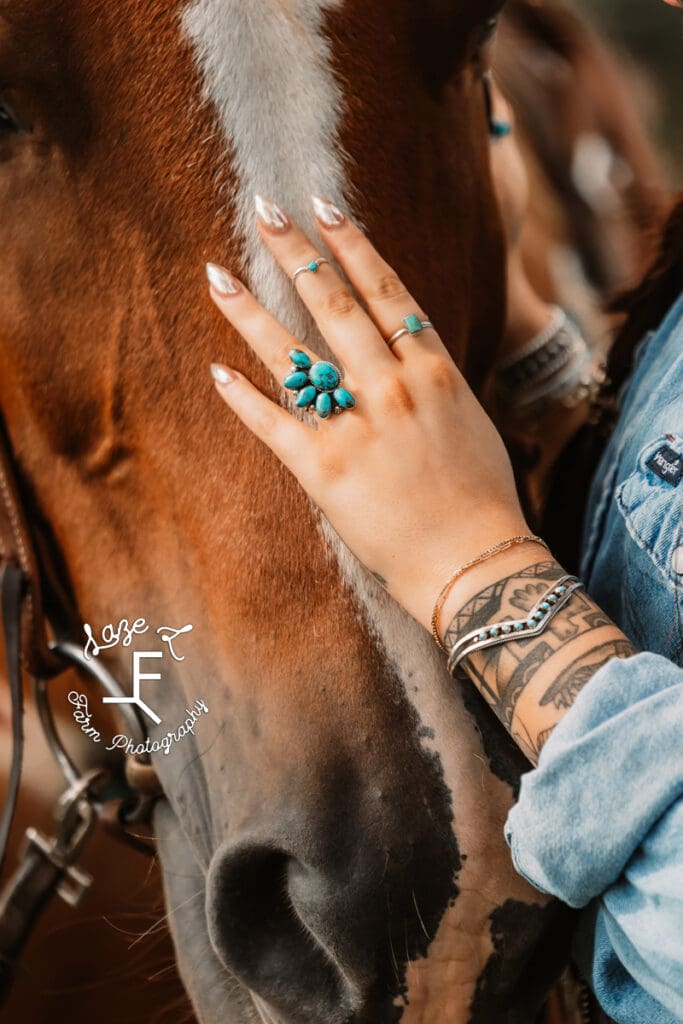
[(38, 627)]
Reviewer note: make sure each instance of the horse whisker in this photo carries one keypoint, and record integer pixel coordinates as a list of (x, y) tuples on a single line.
[(391, 945), (162, 920), (419, 916), (262, 1010)]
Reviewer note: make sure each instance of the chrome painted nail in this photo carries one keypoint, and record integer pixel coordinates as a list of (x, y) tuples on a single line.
[(221, 374), (270, 214), (327, 213), (221, 281)]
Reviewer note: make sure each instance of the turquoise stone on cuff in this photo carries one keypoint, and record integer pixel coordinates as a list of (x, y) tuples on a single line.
[(323, 405), (483, 636), (306, 397), (538, 616), (531, 623), (552, 598), (507, 628), (344, 398), (518, 626), (413, 323), (296, 380), (545, 606), (313, 266), (561, 590), (324, 376), (300, 359), (495, 631)]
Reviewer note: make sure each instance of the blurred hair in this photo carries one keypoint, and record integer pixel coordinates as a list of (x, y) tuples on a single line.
[(645, 306)]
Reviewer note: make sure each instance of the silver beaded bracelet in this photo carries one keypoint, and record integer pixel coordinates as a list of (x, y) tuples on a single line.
[(543, 612), (558, 319), (556, 366)]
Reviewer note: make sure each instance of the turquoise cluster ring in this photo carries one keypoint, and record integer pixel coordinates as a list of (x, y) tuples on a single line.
[(412, 324), (317, 385), (309, 268)]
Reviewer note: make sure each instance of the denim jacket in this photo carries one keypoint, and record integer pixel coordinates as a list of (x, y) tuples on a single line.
[(599, 822)]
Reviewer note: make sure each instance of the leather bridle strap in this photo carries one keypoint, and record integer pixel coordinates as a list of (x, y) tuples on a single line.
[(47, 865), (17, 546), (23, 625), (11, 578)]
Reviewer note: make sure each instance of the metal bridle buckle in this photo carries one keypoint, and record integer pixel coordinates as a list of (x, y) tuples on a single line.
[(76, 818), (78, 808)]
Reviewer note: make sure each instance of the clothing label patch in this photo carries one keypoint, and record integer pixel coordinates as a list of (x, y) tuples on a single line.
[(667, 464)]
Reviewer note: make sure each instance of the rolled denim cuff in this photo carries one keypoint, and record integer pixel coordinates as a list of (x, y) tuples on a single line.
[(610, 770)]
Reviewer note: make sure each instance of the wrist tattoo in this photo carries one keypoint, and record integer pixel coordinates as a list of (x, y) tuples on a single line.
[(565, 689), (505, 672)]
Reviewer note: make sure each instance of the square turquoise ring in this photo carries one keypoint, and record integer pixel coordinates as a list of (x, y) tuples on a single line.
[(411, 325)]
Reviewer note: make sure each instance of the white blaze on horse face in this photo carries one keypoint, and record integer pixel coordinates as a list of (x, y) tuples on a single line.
[(267, 72)]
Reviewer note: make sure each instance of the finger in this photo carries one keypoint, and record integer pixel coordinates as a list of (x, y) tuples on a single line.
[(271, 342), (343, 322), (386, 297), (290, 439)]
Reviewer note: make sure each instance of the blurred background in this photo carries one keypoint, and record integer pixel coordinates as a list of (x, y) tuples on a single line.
[(650, 35)]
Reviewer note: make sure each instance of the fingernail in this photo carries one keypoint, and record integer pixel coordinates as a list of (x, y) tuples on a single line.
[(327, 213), (220, 280), (270, 214), (221, 374)]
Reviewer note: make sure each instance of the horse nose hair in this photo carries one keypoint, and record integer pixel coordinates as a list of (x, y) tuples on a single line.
[(261, 937)]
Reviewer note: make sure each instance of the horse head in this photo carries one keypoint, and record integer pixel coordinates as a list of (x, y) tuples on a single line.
[(331, 836)]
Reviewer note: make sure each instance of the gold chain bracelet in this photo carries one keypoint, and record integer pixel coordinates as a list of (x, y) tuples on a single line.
[(504, 545)]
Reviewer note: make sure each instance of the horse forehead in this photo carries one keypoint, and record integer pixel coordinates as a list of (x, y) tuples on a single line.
[(266, 69)]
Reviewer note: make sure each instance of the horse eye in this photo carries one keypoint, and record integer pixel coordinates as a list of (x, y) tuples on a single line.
[(8, 123), (488, 31)]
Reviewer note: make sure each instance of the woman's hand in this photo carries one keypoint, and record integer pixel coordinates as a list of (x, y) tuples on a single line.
[(415, 478)]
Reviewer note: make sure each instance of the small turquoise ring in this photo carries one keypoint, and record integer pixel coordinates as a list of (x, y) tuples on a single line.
[(310, 268), (412, 324), (317, 385)]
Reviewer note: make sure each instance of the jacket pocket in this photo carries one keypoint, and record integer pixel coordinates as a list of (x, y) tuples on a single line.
[(650, 501)]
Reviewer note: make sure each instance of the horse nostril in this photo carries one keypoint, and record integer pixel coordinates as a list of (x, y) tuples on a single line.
[(259, 936)]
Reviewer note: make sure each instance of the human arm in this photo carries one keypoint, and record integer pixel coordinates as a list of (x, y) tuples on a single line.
[(419, 457)]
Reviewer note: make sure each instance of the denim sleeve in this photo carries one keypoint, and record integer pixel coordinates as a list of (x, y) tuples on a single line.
[(610, 770), (602, 816)]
